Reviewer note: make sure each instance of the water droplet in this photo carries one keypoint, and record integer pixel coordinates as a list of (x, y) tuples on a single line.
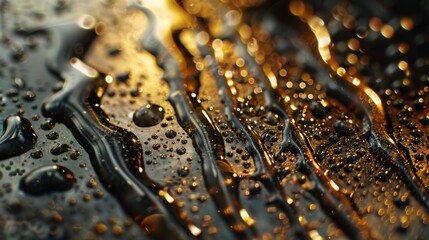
[(58, 149), (46, 179), (48, 124), (181, 150), (18, 137), (123, 77), (52, 135), (344, 128), (183, 171), (36, 154), (75, 155), (29, 96), (318, 110), (425, 120), (148, 115), (170, 134)]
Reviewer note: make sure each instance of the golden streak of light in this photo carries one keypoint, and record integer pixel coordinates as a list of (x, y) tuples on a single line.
[(246, 217), (289, 200), (271, 76), (187, 37), (83, 68), (141, 170), (322, 35), (374, 97), (334, 185), (166, 196), (194, 230), (356, 82), (326, 172), (207, 117), (314, 235)]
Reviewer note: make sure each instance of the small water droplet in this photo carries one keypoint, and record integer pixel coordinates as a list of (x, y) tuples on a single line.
[(181, 150), (48, 124), (52, 135), (36, 154), (170, 134), (57, 149), (183, 171)]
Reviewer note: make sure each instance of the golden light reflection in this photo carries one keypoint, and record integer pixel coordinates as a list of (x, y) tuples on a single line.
[(108, 79), (314, 235), (86, 22), (169, 17), (387, 31), (246, 217), (166, 196), (194, 230), (83, 68), (270, 74), (321, 33), (407, 23), (334, 185)]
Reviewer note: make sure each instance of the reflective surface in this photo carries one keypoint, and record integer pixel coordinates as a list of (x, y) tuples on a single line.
[(214, 120)]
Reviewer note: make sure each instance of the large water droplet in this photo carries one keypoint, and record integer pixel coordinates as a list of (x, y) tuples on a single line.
[(344, 128), (18, 137), (50, 178), (148, 115), (318, 110)]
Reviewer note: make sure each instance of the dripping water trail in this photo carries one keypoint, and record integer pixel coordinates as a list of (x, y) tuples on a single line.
[(329, 198), (77, 106), (264, 170), (219, 177), (364, 99)]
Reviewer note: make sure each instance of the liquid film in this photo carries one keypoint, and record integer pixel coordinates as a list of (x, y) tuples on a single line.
[(126, 119)]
